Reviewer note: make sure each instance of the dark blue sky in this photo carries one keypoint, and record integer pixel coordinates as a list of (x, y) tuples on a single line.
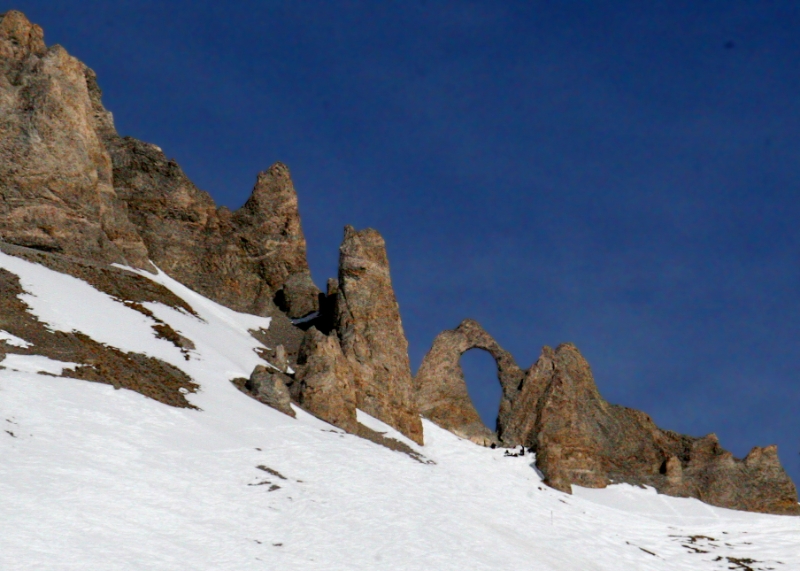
[(626, 177)]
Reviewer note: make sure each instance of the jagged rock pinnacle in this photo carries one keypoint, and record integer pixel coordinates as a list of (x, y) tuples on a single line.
[(19, 37), (371, 332)]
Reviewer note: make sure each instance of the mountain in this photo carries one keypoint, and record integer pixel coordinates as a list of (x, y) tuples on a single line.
[(235, 416)]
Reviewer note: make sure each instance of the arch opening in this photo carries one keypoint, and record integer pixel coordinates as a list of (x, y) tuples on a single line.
[(483, 384)]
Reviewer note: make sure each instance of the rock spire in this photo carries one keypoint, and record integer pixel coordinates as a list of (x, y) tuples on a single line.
[(370, 330)]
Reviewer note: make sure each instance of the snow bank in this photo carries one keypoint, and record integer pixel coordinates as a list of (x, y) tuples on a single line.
[(97, 478)]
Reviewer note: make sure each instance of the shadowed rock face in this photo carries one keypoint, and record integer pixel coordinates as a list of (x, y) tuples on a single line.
[(55, 173), (70, 184), (442, 391), (324, 382), (368, 324)]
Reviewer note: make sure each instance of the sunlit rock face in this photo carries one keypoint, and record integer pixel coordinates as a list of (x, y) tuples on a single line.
[(440, 387), (56, 180), (324, 383), (70, 184), (251, 260), (555, 409), (582, 439), (370, 330)]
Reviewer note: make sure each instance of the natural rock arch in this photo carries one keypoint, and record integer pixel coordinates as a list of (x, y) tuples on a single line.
[(441, 389)]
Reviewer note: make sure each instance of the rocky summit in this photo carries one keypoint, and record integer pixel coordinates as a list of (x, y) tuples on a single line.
[(81, 200), (70, 184)]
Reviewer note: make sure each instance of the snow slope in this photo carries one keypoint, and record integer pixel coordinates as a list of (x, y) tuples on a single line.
[(97, 478)]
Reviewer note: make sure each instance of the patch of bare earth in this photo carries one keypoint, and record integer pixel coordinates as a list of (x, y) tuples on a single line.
[(146, 375)]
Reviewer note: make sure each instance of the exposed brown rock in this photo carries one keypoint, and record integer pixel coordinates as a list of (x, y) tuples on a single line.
[(518, 414), (268, 227), (570, 413), (281, 333), (248, 260), (55, 173), (324, 381), (128, 287), (70, 184), (440, 387), (149, 376), (581, 439), (324, 386), (371, 333), (269, 387)]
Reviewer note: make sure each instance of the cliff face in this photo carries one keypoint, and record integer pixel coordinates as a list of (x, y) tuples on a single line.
[(56, 180), (247, 260), (70, 184)]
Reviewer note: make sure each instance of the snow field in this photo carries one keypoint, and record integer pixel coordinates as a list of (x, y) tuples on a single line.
[(97, 478)]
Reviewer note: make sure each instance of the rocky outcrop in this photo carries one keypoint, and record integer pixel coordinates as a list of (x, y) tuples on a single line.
[(441, 390), (371, 334), (269, 387), (355, 353), (70, 184), (249, 260), (56, 180), (324, 382), (580, 439), (74, 195)]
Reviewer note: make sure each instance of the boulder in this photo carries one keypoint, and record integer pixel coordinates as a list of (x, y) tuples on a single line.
[(269, 387)]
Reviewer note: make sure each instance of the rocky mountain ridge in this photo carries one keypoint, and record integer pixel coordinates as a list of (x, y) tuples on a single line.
[(78, 197)]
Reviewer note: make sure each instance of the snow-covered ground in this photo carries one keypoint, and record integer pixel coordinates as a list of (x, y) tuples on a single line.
[(97, 478)]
